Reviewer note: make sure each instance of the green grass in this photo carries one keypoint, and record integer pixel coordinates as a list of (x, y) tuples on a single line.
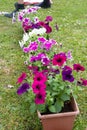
[(71, 17)]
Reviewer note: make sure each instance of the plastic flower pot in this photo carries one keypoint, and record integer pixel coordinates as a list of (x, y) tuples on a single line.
[(60, 121)]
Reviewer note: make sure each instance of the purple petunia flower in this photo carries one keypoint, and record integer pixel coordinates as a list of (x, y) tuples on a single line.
[(33, 58), (56, 71), (67, 75), (23, 88), (45, 61)]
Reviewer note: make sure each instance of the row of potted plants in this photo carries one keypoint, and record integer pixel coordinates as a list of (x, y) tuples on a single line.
[(51, 79)]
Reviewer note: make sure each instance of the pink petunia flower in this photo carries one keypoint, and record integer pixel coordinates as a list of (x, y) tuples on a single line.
[(40, 77), (22, 77), (84, 82), (78, 67), (38, 87), (40, 98), (59, 59)]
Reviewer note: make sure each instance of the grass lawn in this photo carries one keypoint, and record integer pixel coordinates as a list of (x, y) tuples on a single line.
[(71, 17)]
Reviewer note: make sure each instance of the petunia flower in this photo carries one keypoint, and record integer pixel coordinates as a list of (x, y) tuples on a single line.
[(40, 77), (59, 59), (23, 88), (84, 81), (48, 29), (33, 46), (48, 19), (45, 61), (42, 39), (33, 68), (66, 67), (40, 98), (67, 75), (78, 67), (26, 49), (38, 87), (22, 77)]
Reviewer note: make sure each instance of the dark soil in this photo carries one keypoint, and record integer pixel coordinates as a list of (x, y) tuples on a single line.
[(67, 108)]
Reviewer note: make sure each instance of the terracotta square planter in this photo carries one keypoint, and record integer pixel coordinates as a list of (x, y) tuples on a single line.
[(60, 121)]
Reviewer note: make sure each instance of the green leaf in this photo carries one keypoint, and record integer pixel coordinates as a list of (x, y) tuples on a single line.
[(61, 87), (58, 105), (41, 107), (65, 97), (52, 108)]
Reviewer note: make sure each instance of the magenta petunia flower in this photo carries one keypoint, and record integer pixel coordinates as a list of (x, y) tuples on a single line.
[(84, 82), (40, 98), (20, 17), (66, 67), (42, 39), (78, 67), (47, 45), (52, 41), (33, 58), (33, 68), (26, 49), (41, 23), (38, 87), (45, 61), (67, 75), (33, 46), (59, 59), (26, 27), (40, 77), (22, 77), (48, 29), (23, 88), (48, 19), (41, 55)]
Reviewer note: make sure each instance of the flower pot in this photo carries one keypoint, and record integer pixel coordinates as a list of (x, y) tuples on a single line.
[(60, 121)]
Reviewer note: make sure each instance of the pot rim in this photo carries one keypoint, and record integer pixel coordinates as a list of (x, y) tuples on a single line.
[(73, 113)]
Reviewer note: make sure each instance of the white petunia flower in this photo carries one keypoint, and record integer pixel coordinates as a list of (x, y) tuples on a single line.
[(25, 37)]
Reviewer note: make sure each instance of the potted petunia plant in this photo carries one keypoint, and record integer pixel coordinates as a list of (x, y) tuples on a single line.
[(51, 82)]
